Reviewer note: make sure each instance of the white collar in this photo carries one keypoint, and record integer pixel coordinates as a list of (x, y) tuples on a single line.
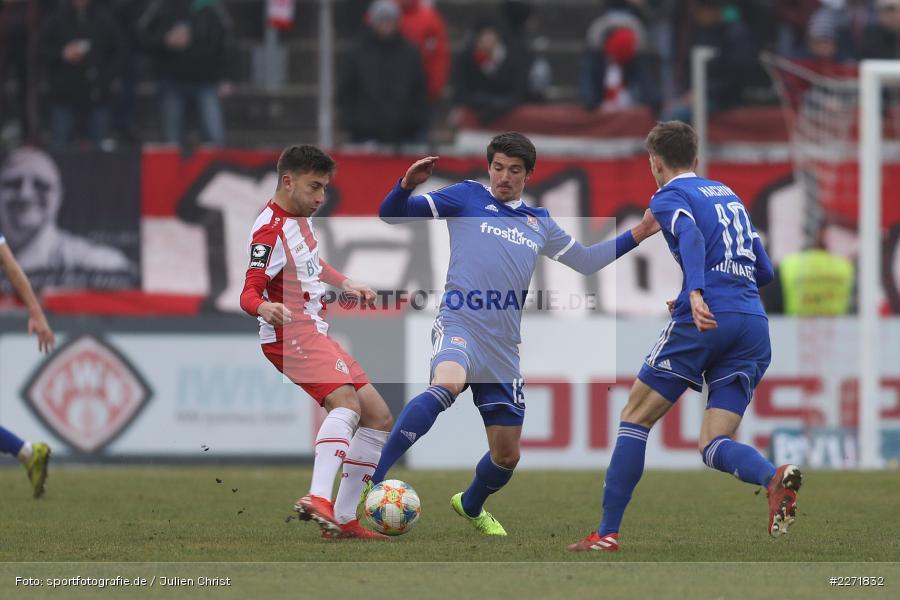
[(513, 204), (681, 176)]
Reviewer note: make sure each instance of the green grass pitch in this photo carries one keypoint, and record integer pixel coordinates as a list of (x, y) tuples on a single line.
[(680, 530)]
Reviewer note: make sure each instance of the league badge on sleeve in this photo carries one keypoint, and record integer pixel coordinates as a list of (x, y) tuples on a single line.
[(259, 256)]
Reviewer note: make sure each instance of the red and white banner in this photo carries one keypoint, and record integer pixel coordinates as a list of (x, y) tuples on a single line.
[(195, 214)]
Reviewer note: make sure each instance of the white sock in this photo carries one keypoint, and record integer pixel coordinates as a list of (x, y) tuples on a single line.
[(362, 458), (332, 443), (25, 453)]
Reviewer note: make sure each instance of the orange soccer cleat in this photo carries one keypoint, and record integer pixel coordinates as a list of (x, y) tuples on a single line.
[(606, 543), (782, 495), (352, 530), (319, 510)]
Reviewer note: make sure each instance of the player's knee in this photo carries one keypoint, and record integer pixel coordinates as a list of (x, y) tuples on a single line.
[(454, 387), (507, 459), (381, 420), (342, 397), (635, 413)]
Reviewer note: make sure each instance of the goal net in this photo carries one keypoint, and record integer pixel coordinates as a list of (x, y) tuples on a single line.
[(822, 108)]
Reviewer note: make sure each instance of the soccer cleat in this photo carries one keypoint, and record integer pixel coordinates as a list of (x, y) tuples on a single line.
[(605, 543), (365, 494), (782, 494), (37, 468), (353, 531), (485, 522), (319, 510)]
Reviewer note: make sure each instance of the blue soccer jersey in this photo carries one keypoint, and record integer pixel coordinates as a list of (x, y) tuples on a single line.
[(494, 249), (733, 251)]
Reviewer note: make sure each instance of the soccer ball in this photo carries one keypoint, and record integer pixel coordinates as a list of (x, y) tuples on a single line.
[(393, 507)]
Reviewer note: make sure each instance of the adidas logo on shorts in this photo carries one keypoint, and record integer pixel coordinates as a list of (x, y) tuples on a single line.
[(664, 364)]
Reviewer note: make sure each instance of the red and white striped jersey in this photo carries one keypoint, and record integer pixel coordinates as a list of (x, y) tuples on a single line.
[(285, 267)]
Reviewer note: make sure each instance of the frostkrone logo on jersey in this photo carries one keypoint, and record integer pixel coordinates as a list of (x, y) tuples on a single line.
[(468, 300), (510, 234)]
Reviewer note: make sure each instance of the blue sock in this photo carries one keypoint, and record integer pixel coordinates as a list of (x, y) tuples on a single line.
[(416, 419), (10, 442), (489, 477), (625, 469), (740, 460)]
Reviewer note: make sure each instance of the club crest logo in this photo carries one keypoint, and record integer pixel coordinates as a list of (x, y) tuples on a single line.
[(458, 341), (533, 223), (87, 393)]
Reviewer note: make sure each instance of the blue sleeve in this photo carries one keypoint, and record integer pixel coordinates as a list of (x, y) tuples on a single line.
[(667, 206), (765, 273), (692, 249), (399, 205), (590, 259), (558, 240)]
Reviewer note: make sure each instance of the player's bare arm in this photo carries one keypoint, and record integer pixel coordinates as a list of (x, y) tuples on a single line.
[(418, 172), (37, 322), (646, 228)]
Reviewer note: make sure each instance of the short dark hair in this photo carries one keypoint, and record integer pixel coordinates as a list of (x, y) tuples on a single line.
[(674, 142), (515, 145), (304, 158)]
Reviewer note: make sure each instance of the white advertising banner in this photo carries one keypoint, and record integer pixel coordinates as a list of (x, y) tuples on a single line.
[(577, 379), (140, 394)]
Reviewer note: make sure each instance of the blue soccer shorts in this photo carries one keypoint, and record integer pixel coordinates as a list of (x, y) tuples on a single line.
[(731, 359), (492, 371)]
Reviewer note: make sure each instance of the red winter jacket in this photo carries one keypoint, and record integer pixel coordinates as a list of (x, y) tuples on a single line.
[(425, 28)]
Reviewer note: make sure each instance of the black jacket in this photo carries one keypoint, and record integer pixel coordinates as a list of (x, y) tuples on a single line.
[(91, 80), (880, 42), (494, 94), (210, 57), (382, 92)]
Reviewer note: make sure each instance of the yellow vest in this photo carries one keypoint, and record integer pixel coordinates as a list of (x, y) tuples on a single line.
[(816, 283)]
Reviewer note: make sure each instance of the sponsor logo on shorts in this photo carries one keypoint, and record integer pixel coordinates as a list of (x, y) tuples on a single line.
[(533, 223), (664, 364), (458, 341), (341, 366), (259, 255)]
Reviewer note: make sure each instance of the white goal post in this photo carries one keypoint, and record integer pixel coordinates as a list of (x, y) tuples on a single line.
[(873, 74)]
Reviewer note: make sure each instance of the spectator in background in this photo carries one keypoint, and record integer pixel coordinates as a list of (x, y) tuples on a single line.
[(15, 31), (193, 48), (825, 42), (488, 77), (382, 92), (128, 13), (81, 48), (728, 73), (519, 29), (423, 25), (882, 38), (791, 21), (615, 72), (857, 15)]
